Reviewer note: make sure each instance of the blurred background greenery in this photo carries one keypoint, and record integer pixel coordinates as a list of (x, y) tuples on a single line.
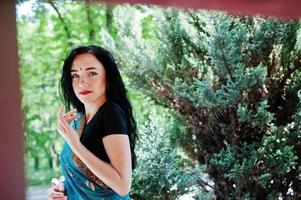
[(216, 96)]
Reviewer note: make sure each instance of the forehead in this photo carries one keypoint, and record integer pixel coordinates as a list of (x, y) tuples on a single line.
[(85, 61)]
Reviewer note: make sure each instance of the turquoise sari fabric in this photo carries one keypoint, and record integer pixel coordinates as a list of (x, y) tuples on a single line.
[(80, 183)]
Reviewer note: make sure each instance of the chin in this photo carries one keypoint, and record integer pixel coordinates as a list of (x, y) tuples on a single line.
[(84, 100), (88, 101)]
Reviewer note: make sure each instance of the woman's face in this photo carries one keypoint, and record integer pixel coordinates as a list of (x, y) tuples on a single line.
[(88, 79)]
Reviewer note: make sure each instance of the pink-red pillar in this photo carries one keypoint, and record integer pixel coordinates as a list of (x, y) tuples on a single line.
[(11, 134)]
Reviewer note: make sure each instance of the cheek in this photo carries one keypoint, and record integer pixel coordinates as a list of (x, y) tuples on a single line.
[(102, 81), (74, 85), (104, 84)]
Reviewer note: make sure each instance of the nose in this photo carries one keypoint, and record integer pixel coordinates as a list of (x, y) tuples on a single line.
[(82, 81)]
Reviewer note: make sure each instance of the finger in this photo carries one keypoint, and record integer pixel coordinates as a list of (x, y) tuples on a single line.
[(55, 181), (49, 192), (59, 198), (56, 187), (52, 193), (61, 127), (65, 124), (69, 119), (55, 194), (62, 179), (60, 111), (71, 112), (64, 129), (61, 187)]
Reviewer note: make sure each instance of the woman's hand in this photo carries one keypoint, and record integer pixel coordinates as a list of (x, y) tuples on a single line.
[(56, 192), (64, 128)]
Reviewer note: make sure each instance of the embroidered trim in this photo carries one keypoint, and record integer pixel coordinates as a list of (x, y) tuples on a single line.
[(87, 171), (77, 161)]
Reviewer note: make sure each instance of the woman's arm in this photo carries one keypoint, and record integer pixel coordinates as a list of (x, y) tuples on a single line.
[(117, 174)]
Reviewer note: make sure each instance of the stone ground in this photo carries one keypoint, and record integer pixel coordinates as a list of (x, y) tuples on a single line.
[(36, 193), (40, 193)]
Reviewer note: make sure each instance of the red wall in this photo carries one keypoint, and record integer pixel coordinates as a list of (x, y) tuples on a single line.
[(290, 9)]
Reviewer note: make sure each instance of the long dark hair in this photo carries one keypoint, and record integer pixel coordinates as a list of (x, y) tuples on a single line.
[(115, 89)]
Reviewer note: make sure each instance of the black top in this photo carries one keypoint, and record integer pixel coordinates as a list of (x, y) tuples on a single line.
[(109, 119)]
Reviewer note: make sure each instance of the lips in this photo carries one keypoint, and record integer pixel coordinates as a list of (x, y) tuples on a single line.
[(85, 92)]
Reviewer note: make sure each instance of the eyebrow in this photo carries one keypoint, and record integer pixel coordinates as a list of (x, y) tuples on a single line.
[(87, 69)]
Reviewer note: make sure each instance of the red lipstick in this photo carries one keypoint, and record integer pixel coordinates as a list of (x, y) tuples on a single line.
[(85, 92)]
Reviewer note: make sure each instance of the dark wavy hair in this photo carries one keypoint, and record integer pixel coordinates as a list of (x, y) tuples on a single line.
[(115, 89)]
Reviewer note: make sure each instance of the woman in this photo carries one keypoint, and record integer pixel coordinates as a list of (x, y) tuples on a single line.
[(98, 156)]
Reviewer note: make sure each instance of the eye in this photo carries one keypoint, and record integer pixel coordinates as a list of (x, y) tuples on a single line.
[(74, 76), (92, 73)]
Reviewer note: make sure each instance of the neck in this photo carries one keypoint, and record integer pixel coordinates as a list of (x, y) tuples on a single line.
[(91, 109)]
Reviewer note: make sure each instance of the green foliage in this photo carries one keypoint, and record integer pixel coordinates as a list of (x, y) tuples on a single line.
[(231, 83), (160, 173), (41, 177), (256, 118), (254, 162)]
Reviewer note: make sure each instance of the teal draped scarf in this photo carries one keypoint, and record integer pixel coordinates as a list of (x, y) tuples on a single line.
[(80, 183)]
